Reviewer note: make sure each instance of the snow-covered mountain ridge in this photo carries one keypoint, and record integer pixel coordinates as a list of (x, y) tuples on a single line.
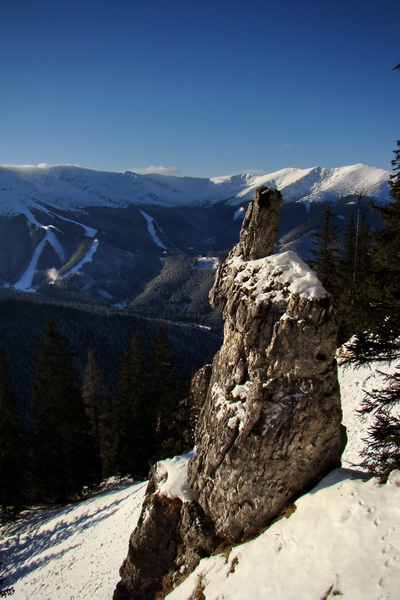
[(74, 188), (125, 239)]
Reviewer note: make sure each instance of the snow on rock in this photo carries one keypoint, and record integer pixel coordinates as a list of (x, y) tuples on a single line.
[(260, 277), (172, 478), (234, 410), (342, 541), (74, 552)]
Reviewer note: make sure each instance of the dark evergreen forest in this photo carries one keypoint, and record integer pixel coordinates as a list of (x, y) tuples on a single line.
[(106, 332), (89, 394), (364, 278)]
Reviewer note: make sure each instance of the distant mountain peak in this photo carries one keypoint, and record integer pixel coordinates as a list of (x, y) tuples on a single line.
[(74, 188)]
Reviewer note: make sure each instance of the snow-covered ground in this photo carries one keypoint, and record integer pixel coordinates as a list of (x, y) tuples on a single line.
[(74, 552), (341, 541)]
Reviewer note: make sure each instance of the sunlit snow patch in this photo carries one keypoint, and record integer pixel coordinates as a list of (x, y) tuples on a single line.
[(342, 541), (260, 277), (172, 478), (87, 258), (239, 213), (151, 227), (207, 262), (232, 406)]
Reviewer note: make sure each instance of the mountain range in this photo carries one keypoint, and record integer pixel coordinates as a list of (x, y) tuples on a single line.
[(151, 243)]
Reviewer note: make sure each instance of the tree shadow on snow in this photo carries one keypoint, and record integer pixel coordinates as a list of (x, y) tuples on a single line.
[(337, 476), (27, 539)]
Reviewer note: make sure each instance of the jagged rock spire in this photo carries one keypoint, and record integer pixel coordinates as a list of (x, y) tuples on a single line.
[(260, 226), (270, 425)]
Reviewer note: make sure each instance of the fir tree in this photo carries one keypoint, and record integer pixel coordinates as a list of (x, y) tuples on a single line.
[(380, 340), (62, 449), (354, 275), (12, 443), (132, 423), (325, 253), (93, 393), (169, 400)]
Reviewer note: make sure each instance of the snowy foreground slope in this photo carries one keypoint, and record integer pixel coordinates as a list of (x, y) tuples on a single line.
[(341, 541), (71, 553)]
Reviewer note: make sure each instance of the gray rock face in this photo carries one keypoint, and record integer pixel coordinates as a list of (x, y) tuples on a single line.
[(270, 423), (152, 547), (260, 226)]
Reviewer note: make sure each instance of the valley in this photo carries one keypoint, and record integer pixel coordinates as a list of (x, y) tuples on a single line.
[(151, 244)]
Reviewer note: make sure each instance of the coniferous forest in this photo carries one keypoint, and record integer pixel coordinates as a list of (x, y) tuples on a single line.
[(69, 420), (364, 279)]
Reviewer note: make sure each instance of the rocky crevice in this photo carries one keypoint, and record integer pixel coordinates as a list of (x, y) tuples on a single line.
[(270, 423)]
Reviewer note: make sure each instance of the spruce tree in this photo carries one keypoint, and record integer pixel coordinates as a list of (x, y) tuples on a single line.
[(132, 422), (12, 443), (93, 394), (169, 400), (326, 252), (354, 275), (380, 339), (62, 449)]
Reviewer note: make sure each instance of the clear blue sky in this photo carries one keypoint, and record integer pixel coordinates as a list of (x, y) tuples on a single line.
[(205, 88)]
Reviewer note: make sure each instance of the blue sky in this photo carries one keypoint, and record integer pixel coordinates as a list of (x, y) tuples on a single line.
[(200, 88)]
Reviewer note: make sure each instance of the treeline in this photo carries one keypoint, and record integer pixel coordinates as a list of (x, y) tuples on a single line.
[(108, 332), (77, 432), (343, 263), (365, 282)]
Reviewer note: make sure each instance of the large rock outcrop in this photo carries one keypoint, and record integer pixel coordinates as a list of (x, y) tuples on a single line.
[(270, 425)]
